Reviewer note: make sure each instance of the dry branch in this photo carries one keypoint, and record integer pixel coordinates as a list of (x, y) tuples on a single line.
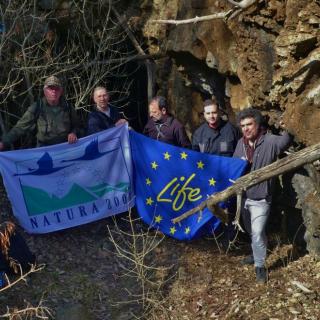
[(219, 15), (29, 312), (242, 5), (291, 162), (22, 276), (301, 286)]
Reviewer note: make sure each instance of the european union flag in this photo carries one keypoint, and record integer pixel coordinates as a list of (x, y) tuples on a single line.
[(170, 181)]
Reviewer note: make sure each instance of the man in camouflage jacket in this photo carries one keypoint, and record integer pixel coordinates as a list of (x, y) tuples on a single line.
[(53, 119)]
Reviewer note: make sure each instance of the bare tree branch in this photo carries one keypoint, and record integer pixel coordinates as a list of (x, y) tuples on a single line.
[(291, 162), (244, 4), (22, 276), (219, 15)]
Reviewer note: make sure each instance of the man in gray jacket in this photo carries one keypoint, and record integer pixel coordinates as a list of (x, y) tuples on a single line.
[(260, 149)]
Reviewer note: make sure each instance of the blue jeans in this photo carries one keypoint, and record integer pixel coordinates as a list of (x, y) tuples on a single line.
[(255, 220)]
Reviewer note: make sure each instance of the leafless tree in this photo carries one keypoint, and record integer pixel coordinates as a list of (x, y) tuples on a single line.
[(83, 43), (136, 247)]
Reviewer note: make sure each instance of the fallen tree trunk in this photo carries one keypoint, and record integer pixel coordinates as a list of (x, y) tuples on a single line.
[(289, 163)]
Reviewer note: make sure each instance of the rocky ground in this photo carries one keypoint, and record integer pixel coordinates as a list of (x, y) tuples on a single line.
[(84, 278)]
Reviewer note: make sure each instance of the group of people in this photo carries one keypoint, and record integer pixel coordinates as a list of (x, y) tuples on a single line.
[(55, 122), (219, 137)]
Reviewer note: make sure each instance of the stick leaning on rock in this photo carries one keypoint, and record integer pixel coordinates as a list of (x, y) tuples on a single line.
[(237, 9), (291, 162)]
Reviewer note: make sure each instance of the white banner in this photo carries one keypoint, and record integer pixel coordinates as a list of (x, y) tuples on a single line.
[(65, 185)]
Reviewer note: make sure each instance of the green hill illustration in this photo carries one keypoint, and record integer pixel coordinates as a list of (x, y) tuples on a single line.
[(104, 188), (39, 201)]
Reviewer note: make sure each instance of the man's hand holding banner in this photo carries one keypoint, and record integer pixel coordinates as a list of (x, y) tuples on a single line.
[(61, 186)]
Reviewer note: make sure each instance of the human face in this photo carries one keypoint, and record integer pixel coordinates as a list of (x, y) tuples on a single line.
[(101, 99), (52, 94), (155, 112), (211, 114), (249, 128)]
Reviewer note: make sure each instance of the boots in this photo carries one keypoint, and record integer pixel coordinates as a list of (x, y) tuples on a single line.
[(261, 274)]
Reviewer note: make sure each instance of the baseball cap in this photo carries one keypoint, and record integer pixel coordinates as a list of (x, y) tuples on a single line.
[(52, 81)]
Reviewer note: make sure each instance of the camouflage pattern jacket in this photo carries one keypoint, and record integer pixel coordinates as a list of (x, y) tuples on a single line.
[(52, 124)]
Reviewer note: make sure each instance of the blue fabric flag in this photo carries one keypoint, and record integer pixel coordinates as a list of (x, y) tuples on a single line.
[(170, 181), (66, 185)]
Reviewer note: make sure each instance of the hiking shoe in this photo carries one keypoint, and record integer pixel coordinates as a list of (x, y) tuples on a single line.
[(247, 260), (261, 274)]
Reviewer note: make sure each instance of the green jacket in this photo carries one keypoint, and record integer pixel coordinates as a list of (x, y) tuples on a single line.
[(52, 124)]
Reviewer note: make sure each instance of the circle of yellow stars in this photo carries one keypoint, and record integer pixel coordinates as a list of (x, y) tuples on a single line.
[(150, 201)]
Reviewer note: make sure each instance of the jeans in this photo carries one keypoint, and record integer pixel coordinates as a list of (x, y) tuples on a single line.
[(255, 216)]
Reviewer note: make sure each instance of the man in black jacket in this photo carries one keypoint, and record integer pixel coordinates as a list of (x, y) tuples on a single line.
[(163, 126), (215, 136), (104, 116), (218, 137)]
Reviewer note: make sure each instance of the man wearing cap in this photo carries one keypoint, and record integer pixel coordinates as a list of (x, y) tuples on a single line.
[(53, 119), (215, 136), (104, 116)]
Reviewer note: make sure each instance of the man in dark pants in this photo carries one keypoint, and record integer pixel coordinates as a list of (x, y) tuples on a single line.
[(104, 116), (163, 126), (215, 136), (260, 149)]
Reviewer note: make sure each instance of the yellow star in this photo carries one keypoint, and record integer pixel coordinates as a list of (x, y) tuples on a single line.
[(148, 182), (212, 182), (200, 164), (187, 230), (149, 201), (154, 165), (173, 230), (183, 155), (158, 219), (167, 155)]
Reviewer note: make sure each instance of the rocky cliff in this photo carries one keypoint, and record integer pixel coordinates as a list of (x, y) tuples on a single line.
[(266, 56)]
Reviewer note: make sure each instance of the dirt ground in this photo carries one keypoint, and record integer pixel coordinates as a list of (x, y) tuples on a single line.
[(192, 280)]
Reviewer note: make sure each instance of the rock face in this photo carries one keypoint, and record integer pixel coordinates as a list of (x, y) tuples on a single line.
[(268, 57)]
